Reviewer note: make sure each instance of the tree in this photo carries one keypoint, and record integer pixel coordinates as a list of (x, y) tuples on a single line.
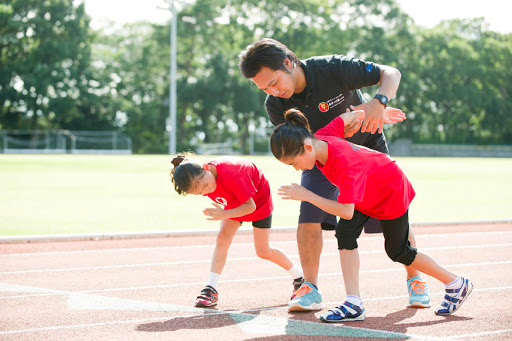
[(44, 61)]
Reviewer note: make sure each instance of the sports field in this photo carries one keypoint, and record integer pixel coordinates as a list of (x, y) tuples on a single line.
[(48, 194)]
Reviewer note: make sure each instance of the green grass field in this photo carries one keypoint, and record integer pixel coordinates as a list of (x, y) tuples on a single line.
[(47, 194)]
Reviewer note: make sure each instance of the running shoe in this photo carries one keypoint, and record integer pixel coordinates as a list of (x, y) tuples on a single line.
[(418, 293), (207, 298), (306, 298), (297, 282), (454, 298), (346, 312)]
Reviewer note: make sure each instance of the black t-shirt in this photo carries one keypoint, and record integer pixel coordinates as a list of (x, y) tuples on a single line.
[(332, 86)]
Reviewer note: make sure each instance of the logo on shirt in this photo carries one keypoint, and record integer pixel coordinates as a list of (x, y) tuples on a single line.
[(323, 107), (221, 201), (331, 103)]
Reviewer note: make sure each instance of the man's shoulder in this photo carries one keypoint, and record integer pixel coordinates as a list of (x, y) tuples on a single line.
[(324, 61)]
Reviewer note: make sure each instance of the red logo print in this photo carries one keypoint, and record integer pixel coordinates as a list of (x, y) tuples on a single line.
[(323, 107)]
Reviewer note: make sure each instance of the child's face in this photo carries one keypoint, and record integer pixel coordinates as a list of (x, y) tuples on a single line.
[(302, 161), (204, 185)]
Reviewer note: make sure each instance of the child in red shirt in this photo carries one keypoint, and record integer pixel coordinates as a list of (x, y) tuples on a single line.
[(370, 184), (240, 193)]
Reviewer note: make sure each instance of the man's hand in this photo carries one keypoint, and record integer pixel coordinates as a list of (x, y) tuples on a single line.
[(374, 119), (216, 213), (293, 192)]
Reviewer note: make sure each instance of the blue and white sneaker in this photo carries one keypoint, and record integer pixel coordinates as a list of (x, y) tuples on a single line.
[(344, 313), (306, 298), (454, 298), (418, 293)]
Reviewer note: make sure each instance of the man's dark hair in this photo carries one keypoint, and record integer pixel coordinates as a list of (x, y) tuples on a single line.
[(265, 52)]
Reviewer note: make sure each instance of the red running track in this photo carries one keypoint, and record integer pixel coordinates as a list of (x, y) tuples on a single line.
[(144, 289)]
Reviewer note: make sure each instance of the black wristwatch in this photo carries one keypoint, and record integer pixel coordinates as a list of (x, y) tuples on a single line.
[(382, 99)]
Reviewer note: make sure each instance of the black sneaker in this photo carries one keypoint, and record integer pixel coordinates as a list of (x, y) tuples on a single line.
[(297, 282), (207, 298)]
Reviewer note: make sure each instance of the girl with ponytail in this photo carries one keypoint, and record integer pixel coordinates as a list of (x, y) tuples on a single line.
[(240, 193), (370, 184)]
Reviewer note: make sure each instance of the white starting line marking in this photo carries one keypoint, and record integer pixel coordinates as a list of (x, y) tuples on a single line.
[(248, 323)]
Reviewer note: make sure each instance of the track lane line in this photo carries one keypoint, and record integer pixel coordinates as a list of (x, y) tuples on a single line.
[(243, 280), (419, 236), (118, 266)]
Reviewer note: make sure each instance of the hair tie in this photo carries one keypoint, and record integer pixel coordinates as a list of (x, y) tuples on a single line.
[(177, 160)]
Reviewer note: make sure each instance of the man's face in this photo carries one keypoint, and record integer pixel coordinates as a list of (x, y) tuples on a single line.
[(277, 83)]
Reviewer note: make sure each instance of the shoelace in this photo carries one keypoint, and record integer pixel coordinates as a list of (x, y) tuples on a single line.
[(305, 289), (418, 287)]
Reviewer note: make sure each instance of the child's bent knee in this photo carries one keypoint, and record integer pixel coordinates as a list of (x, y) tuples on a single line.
[(405, 257), (347, 243), (264, 253)]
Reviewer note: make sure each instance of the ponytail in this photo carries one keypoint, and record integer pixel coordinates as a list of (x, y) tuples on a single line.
[(287, 139), (185, 173)]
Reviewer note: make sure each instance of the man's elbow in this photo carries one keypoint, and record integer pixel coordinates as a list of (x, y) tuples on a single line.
[(398, 75)]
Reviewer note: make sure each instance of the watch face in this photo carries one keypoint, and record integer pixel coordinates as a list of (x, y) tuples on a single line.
[(383, 99)]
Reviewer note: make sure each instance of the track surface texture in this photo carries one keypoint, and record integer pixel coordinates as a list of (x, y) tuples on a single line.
[(144, 289)]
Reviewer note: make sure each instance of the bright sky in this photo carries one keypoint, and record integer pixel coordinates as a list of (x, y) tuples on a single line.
[(425, 13)]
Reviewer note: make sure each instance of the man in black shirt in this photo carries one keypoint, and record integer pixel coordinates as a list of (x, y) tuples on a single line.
[(323, 88)]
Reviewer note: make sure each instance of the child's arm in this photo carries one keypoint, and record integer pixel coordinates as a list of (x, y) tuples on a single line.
[(391, 116), (218, 213), (298, 192), (354, 119)]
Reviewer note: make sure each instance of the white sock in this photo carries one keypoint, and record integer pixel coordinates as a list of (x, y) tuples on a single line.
[(296, 272), (457, 283), (213, 279), (354, 300)]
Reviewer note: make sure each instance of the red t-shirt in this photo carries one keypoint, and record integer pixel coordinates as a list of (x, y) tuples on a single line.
[(371, 180), (237, 181)]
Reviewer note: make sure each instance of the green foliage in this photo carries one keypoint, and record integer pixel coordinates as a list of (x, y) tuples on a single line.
[(44, 61), (56, 73)]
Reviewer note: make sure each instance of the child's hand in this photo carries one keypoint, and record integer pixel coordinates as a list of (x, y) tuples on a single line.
[(393, 115), (293, 192), (216, 213), (353, 121)]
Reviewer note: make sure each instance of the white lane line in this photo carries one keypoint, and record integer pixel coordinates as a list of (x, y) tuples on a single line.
[(87, 325), (361, 252), (162, 286), (472, 336), (418, 237)]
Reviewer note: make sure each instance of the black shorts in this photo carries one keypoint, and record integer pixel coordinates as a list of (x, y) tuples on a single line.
[(396, 236), (264, 223)]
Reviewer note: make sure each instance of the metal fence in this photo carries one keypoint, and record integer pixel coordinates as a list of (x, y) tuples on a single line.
[(405, 147), (64, 141)]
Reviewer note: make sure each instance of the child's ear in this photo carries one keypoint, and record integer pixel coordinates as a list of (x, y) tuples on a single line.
[(308, 147), (206, 167)]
